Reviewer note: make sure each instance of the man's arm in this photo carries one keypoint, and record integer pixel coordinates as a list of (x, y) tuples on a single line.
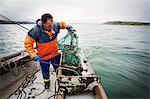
[(29, 46), (63, 25)]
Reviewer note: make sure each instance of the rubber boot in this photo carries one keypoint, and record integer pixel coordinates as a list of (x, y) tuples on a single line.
[(47, 84)]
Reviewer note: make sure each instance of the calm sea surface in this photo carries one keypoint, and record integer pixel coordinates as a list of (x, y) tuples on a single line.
[(119, 54)]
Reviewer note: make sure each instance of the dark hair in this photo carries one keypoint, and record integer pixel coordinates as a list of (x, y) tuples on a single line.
[(45, 17), (38, 21)]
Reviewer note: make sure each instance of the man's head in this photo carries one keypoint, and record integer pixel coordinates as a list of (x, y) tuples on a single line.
[(47, 21)]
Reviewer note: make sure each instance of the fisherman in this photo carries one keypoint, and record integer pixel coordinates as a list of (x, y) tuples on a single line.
[(44, 34)]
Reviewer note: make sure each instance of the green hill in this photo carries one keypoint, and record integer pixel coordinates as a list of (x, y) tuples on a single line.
[(15, 22), (127, 23)]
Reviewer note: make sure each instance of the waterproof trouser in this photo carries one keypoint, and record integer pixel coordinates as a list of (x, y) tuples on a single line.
[(45, 67)]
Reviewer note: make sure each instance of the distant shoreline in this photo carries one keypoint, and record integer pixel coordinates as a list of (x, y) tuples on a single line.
[(127, 23), (15, 22), (106, 23)]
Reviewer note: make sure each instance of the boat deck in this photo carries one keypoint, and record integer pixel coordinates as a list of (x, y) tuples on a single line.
[(31, 86), (35, 89)]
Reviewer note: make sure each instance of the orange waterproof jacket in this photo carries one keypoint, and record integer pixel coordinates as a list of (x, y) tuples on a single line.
[(46, 42)]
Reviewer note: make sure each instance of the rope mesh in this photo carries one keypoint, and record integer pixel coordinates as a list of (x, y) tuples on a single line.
[(69, 46)]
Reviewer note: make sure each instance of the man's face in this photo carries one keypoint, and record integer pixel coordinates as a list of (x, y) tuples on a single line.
[(49, 24)]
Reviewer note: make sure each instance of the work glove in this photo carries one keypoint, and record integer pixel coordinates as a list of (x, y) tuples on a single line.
[(69, 28), (37, 58)]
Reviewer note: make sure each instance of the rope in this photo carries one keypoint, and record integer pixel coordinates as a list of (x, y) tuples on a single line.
[(56, 92), (9, 65), (20, 93), (14, 22), (59, 72), (68, 70)]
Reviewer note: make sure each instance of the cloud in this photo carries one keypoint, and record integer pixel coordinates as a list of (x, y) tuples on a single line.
[(76, 10)]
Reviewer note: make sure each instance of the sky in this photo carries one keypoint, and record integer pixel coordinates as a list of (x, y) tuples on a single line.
[(92, 11)]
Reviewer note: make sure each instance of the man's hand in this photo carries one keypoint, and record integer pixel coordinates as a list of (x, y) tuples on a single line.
[(37, 58), (69, 28)]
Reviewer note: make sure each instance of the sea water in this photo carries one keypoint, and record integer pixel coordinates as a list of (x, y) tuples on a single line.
[(120, 55)]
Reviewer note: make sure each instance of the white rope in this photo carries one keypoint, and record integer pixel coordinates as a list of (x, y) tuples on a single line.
[(8, 62), (67, 69)]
